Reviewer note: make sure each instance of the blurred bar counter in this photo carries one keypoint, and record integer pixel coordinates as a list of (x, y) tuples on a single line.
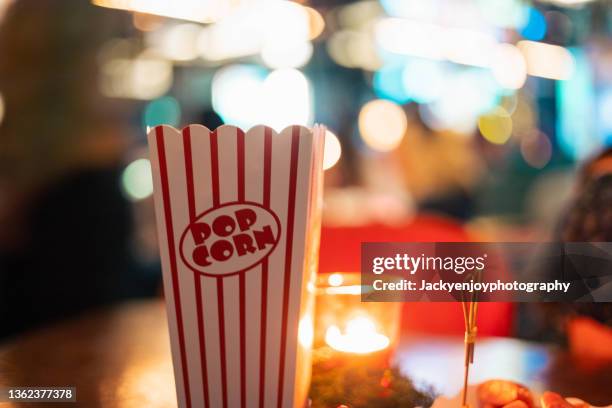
[(120, 358)]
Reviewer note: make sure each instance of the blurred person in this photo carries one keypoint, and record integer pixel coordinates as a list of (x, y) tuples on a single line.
[(588, 326), (65, 227), (585, 326)]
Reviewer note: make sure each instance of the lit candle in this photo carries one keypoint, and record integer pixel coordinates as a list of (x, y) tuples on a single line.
[(347, 326), (360, 337)]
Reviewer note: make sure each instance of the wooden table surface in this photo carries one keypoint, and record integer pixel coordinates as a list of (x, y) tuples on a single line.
[(120, 358)]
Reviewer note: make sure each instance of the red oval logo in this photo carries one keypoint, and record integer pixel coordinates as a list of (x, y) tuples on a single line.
[(229, 239)]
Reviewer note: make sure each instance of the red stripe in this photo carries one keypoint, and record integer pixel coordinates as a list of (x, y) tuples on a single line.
[(267, 166), (189, 173), (222, 340), (214, 162), (295, 146), (242, 283), (196, 277), (264, 269), (240, 145), (163, 170)]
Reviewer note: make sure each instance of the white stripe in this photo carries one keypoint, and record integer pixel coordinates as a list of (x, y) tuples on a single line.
[(211, 333), (228, 192), (280, 173), (254, 147)]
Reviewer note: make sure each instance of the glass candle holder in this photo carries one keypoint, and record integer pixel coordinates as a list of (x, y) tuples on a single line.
[(345, 324)]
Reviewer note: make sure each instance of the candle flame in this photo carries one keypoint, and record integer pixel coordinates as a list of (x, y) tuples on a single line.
[(360, 337), (335, 279)]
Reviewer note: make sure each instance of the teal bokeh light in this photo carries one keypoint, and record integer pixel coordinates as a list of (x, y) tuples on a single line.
[(389, 83), (162, 111), (576, 132)]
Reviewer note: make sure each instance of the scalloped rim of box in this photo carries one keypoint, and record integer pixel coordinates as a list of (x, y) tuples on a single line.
[(311, 130)]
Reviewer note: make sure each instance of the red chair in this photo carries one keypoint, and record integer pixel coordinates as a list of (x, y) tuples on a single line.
[(340, 249)]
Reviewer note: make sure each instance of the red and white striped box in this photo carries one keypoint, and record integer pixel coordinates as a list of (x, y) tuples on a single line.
[(238, 218)]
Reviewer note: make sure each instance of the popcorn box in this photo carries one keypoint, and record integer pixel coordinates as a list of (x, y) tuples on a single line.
[(238, 219)]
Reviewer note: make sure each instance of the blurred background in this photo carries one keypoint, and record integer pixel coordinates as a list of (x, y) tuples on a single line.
[(449, 120)]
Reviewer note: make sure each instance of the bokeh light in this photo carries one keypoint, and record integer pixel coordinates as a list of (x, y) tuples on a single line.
[(146, 22), (382, 124), (294, 57), (338, 48), (162, 111), (136, 180), (285, 24), (388, 83), (509, 102), (426, 39), (144, 77), (235, 93), (274, 26), (466, 95), (575, 102), (524, 116), (358, 15), (423, 80), (177, 42), (536, 149), (535, 26), (221, 41), (547, 60), (354, 49), (560, 26), (414, 9), (285, 100), (331, 151), (245, 96), (503, 13), (316, 23), (468, 47), (496, 125), (604, 115), (509, 67)]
